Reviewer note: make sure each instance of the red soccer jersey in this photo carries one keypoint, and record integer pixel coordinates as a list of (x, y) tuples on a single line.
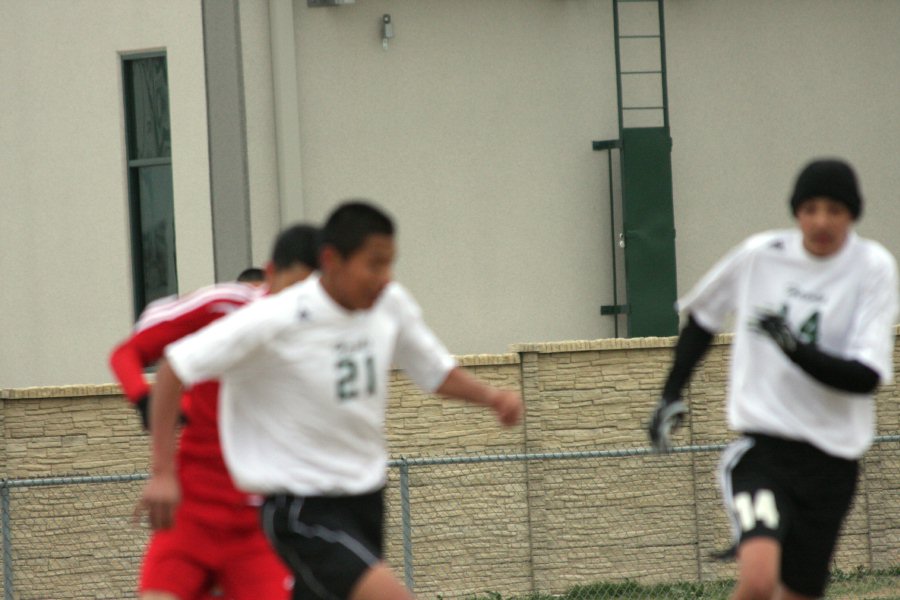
[(208, 493)]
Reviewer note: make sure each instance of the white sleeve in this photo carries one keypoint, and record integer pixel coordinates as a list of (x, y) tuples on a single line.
[(418, 351), (715, 296), (213, 350), (872, 338)]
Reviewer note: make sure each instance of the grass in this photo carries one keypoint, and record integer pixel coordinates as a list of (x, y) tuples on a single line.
[(717, 590), (860, 584)]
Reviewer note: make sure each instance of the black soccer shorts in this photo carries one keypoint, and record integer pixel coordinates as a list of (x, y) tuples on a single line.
[(328, 542), (793, 492)]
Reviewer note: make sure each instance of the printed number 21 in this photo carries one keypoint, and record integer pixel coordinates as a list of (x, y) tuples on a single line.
[(348, 384)]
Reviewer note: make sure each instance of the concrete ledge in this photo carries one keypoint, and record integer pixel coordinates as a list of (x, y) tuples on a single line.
[(608, 344), (64, 391), (113, 389), (475, 360)]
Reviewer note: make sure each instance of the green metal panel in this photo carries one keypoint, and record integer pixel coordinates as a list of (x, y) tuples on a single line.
[(649, 228)]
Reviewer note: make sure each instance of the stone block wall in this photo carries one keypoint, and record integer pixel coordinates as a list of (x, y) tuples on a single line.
[(512, 526)]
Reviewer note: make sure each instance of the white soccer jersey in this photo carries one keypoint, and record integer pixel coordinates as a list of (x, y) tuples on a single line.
[(846, 303), (304, 386)]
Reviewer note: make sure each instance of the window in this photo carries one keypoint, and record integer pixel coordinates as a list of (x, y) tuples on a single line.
[(150, 196)]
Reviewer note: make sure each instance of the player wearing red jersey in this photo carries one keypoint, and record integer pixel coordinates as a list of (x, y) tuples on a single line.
[(217, 539)]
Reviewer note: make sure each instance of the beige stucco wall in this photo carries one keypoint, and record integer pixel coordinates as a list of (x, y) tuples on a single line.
[(473, 127), (758, 88), (262, 160), (503, 526), (64, 233)]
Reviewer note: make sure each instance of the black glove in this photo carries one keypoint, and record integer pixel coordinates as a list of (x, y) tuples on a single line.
[(773, 325), (667, 416), (143, 408)]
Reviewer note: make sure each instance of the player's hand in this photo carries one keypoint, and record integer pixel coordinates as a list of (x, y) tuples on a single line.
[(667, 416), (507, 406), (142, 407), (158, 501), (774, 326)]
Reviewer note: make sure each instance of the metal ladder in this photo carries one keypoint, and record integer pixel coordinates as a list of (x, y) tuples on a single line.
[(639, 53), (644, 241)]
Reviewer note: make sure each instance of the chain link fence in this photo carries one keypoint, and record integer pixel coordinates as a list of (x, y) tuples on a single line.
[(71, 537), (573, 526)]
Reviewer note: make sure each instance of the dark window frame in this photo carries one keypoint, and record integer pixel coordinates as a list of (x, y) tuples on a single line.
[(137, 165)]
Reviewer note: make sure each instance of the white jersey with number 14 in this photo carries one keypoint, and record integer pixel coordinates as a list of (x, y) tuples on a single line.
[(845, 303)]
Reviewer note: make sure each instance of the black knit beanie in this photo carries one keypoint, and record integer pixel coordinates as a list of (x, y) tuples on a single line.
[(831, 178)]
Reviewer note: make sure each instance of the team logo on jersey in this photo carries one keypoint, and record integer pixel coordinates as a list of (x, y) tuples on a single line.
[(777, 244), (808, 296), (304, 314)]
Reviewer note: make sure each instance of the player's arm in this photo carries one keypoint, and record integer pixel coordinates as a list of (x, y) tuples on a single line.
[(128, 368), (203, 355), (162, 494), (197, 357), (693, 342), (707, 306), (505, 403), (144, 348), (425, 359), (159, 326), (848, 375)]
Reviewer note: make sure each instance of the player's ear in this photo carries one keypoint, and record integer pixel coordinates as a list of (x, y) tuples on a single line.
[(269, 270), (329, 257)]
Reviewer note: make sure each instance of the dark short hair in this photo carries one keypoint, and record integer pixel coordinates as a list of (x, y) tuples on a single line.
[(297, 244), (251, 275), (351, 223)]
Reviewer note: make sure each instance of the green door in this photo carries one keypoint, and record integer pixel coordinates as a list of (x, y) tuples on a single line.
[(649, 227)]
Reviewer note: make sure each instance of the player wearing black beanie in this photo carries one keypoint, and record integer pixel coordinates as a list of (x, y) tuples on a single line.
[(830, 178)]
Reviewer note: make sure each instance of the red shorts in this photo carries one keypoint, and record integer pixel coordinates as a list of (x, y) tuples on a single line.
[(192, 559)]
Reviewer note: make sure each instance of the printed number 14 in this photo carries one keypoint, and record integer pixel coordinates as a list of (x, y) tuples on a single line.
[(760, 508), (809, 331)]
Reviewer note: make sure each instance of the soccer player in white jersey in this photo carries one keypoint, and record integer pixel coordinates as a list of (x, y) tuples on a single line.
[(814, 311), (304, 378)]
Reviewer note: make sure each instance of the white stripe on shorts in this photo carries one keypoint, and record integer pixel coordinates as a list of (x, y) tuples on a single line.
[(731, 456), (287, 553), (314, 531), (334, 536)]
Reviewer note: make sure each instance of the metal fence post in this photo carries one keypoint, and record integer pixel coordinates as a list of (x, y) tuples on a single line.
[(7, 541), (407, 525)]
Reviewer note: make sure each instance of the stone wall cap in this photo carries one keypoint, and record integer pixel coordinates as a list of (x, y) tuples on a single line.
[(474, 360), (62, 391), (465, 360), (608, 344)]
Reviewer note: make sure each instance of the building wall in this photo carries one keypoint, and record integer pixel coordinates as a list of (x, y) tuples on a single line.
[(64, 234), (473, 127), (262, 162), (756, 90), (501, 526)]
